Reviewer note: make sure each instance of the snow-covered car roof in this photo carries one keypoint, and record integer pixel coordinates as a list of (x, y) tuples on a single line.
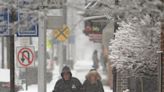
[(5, 75)]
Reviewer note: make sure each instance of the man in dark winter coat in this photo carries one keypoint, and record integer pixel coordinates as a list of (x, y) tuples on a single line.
[(67, 83)]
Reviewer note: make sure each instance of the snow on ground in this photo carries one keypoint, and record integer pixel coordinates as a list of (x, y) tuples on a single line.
[(81, 68), (6, 75), (107, 89)]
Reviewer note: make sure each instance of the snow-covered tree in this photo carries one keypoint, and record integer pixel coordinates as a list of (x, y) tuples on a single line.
[(137, 40), (135, 49)]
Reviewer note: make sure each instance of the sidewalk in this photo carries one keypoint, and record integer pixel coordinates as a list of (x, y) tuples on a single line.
[(81, 68)]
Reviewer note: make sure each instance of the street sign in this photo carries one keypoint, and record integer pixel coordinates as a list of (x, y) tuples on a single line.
[(28, 24), (97, 38), (62, 34), (23, 41), (25, 56), (4, 21)]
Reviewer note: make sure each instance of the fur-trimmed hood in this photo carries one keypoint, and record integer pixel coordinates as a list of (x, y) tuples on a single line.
[(93, 72)]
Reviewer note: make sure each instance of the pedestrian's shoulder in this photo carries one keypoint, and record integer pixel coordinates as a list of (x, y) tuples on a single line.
[(75, 79), (99, 82), (59, 81), (85, 82)]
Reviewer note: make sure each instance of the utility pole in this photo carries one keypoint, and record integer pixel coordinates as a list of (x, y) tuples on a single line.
[(62, 46), (12, 51), (12, 64), (42, 53)]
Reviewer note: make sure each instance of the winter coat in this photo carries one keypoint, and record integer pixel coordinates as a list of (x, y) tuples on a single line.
[(88, 87), (72, 85)]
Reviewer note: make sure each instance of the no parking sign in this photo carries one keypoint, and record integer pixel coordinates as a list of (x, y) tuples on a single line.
[(25, 56)]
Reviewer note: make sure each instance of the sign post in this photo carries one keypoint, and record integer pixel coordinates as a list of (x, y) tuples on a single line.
[(12, 63), (42, 53)]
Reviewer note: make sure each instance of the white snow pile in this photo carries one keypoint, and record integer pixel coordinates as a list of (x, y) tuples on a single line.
[(6, 75)]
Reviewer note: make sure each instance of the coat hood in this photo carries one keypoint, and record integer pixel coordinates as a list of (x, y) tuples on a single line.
[(93, 72), (66, 69)]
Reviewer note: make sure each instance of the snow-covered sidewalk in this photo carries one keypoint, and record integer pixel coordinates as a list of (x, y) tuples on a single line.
[(81, 68)]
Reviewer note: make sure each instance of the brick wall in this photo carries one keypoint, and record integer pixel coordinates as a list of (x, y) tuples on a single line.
[(122, 81), (162, 49)]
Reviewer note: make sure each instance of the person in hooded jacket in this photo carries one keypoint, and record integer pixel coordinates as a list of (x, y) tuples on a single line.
[(93, 82), (67, 83), (95, 59)]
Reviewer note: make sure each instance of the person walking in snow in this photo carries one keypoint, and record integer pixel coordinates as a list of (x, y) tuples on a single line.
[(67, 83), (95, 60), (103, 62), (93, 82)]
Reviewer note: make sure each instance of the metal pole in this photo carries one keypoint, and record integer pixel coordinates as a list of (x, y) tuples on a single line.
[(12, 52), (64, 47), (60, 56), (61, 49), (26, 80), (2, 46), (12, 64), (114, 68), (8, 52), (42, 54)]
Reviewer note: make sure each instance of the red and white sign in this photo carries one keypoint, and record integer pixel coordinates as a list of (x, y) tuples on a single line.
[(25, 56), (97, 38)]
